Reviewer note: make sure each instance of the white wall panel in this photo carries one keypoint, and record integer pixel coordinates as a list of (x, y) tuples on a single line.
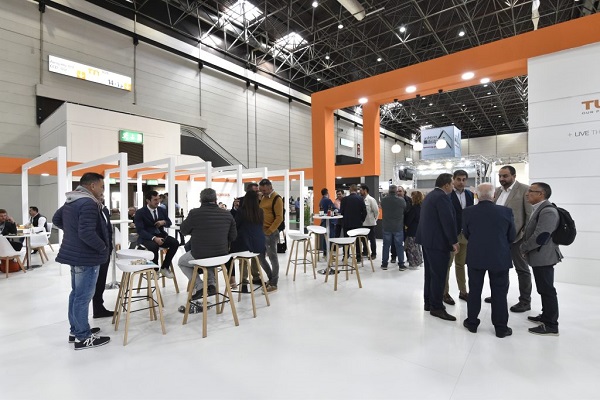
[(273, 130), (301, 138), (568, 73), (564, 147)]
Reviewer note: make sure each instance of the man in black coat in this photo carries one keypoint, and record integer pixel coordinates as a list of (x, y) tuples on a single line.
[(437, 235), (8, 227), (490, 230), (354, 211)]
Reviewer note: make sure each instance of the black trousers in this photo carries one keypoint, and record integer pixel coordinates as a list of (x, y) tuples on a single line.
[(499, 286), (97, 300), (372, 241), (171, 244), (436, 269), (544, 281)]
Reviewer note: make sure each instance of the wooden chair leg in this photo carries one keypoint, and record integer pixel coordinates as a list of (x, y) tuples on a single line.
[(355, 266), (119, 300), (128, 311), (204, 302), (231, 303), (289, 259), (149, 297), (262, 281), (158, 302), (174, 278), (189, 296), (6, 267), (248, 267)]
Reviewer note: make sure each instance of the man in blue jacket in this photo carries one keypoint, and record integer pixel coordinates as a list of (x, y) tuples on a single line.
[(85, 246), (490, 230)]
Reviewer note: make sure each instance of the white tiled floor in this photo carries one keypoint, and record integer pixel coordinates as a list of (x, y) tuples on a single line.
[(312, 343)]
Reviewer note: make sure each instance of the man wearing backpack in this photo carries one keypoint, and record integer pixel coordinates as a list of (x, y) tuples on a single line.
[(542, 253), (272, 206)]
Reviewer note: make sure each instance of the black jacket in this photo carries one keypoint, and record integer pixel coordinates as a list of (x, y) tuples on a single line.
[(354, 211), (212, 230)]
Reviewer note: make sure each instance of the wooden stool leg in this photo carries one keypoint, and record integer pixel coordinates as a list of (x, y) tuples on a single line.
[(139, 287), (247, 264), (162, 258), (149, 297), (337, 266), (204, 302), (355, 265), (290, 258), (218, 309), (189, 296), (119, 299), (128, 311), (296, 258), (369, 253), (158, 302), (231, 303), (262, 282), (312, 258), (174, 278)]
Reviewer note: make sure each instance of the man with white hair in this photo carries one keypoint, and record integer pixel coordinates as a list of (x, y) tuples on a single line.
[(490, 230)]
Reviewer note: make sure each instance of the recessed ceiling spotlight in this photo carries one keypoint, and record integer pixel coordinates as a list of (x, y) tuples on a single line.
[(423, 97), (489, 93), (363, 100), (340, 25), (45, 174), (327, 56), (463, 105), (402, 29), (484, 80), (467, 75), (430, 104), (315, 4), (411, 89), (318, 79), (379, 59), (499, 116), (495, 106), (461, 33), (485, 85)]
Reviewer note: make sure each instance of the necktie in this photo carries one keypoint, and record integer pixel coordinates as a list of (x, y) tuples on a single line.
[(155, 215)]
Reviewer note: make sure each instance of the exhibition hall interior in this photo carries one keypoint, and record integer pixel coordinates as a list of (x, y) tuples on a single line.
[(199, 193)]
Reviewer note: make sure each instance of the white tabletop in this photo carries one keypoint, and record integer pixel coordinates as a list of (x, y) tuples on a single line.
[(317, 216), (120, 221)]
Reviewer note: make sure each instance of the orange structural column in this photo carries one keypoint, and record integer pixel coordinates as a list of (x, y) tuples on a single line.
[(371, 145), (323, 149)]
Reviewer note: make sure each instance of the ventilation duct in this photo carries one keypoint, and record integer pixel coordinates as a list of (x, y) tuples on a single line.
[(354, 8)]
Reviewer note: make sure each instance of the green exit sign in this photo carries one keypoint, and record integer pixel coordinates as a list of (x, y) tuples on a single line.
[(131, 136), (152, 182)]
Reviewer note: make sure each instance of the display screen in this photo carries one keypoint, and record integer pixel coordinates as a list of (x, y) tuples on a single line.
[(81, 71)]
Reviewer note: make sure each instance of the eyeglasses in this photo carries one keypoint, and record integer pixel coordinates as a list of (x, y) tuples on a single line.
[(534, 191)]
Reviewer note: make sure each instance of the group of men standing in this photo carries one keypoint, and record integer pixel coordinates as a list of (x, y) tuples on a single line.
[(512, 225)]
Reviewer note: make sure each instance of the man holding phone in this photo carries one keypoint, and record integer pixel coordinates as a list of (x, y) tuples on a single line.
[(150, 223)]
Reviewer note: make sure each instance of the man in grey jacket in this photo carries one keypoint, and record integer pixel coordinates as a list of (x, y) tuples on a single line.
[(393, 208), (371, 219), (542, 254)]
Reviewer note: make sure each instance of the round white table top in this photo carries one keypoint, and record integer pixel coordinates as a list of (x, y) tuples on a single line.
[(327, 217)]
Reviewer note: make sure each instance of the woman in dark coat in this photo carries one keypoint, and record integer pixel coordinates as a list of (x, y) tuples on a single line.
[(250, 236), (414, 253)]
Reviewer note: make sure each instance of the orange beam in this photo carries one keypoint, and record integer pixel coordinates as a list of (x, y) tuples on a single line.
[(498, 60)]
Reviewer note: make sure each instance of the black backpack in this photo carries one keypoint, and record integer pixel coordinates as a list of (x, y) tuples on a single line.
[(281, 226), (566, 231)]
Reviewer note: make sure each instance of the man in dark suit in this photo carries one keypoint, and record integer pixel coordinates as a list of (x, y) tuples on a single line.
[(437, 235), (98, 300), (490, 230), (354, 211), (9, 227), (150, 223), (461, 198)]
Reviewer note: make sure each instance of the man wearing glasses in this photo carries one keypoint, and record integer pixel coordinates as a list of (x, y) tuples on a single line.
[(513, 194)]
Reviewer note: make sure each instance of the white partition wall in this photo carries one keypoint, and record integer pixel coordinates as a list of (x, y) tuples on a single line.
[(564, 149)]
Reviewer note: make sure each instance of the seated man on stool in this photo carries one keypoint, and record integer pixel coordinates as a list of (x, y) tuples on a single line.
[(8, 227), (150, 223)]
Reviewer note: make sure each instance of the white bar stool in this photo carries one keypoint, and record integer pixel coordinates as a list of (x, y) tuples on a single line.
[(316, 231), (131, 254), (298, 238), (245, 265), (347, 243), (362, 235), (131, 267), (205, 264)]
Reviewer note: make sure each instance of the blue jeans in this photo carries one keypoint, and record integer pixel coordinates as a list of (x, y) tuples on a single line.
[(331, 233), (271, 252), (398, 238), (83, 286)]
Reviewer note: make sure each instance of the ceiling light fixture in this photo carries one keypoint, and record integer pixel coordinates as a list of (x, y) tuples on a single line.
[(45, 174), (418, 146), (461, 33), (430, 104), (467, 75), (396, 148), (315, 4), (340, 25), (484, 80), (318, 79), (441, 144), (327, 56), (402, 29), (411, 89), (379, 59), (363, 100)]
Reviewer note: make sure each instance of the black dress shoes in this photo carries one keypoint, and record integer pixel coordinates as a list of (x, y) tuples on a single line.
[(488, 300), (103, 313), (443, 315), (463, 296), (449, 300), (508, 332), (520, 307), (427, 307), (537, 318), (469, 327)]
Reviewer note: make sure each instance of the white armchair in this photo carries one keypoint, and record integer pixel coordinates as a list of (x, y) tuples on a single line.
[(7, 253), (50, 225), (39, 242)]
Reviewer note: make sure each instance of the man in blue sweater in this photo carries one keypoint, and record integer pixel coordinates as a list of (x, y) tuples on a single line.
[(85, 246)]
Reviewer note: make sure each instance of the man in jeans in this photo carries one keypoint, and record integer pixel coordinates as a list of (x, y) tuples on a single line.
[(272, 206), (393, 208), (85, 246)]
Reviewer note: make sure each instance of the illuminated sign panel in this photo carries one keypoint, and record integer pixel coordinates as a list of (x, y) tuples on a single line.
[(131, 136), (81, 71)]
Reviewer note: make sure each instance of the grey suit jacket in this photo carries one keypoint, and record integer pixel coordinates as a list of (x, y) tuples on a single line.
[(538, 247), (517, 202)]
